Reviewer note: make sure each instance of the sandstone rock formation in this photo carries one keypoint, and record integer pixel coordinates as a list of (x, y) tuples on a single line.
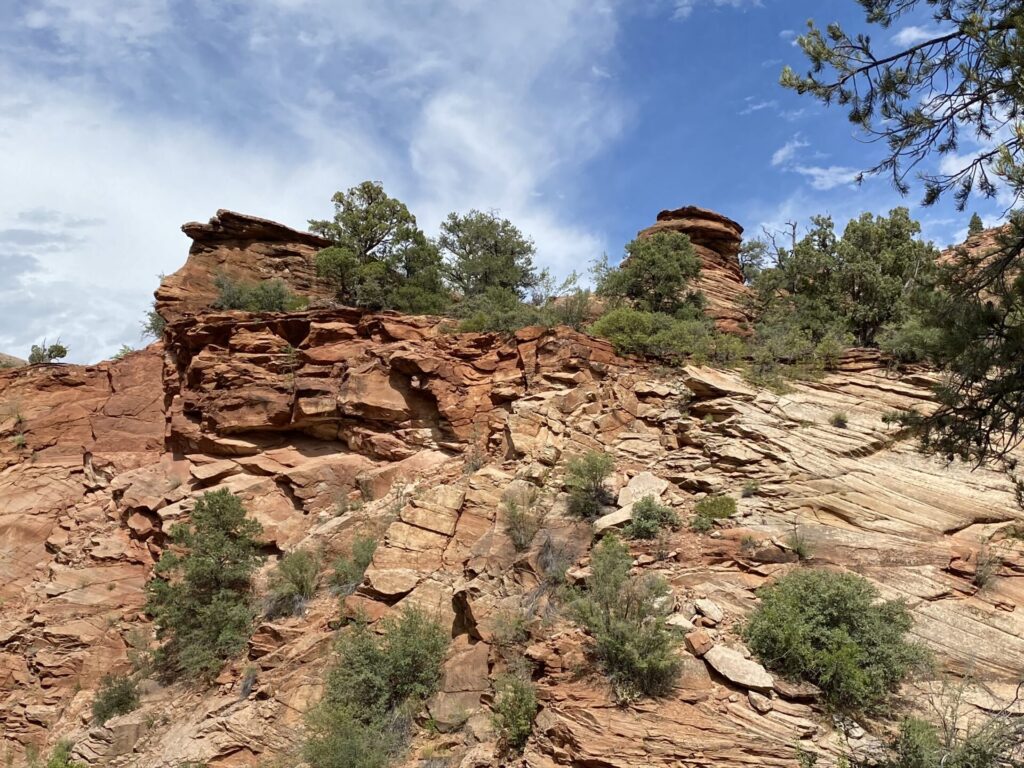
[(239, 247), (716, 240), (10, 361), (332, 422)]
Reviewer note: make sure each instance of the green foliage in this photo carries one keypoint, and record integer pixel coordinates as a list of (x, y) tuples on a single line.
[(372, 691), (153, 325), (349, 569), (117, 695), (123, 352), (750, 488), (379, 258), (60, 757), (200, 595), (712, 508), (47, 353), (996, 741), (523, 518), (650, 518), (912, 100), (514, 708), (654, 274), (976, 226), (830, 629), (626, 617), (839, 420), (498, 310), (292, 582), (263, 296), (486, 253), (585, 476)]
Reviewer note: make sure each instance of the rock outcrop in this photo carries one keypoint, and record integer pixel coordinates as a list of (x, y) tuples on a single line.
[(243, 248), (332, 423), (716, 240), (10, 361)]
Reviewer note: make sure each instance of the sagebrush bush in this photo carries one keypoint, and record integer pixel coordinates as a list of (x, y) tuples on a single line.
[(650, 518), (712, 508), (373, 690), (995, 741), (60, 757), (514, 708), (523, 517), (47, 353), (830, 629), (201, 599), (117, 695), (585, 476), (839, 420), (292, 582), (349, 569), (626, 617)]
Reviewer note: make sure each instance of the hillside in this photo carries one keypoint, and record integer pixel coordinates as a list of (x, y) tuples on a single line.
[(333, 422)]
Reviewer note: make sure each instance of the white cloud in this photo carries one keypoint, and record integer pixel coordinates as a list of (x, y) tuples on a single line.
[(684, 8), (789, 36), (826, 178), (754, 104), (462, 105), (912, 35), (787, 151)]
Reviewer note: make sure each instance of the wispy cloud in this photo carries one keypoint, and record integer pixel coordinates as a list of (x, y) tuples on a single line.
[(826, 178), (787, 151), (913, 34), (753, 104), (685, 8)]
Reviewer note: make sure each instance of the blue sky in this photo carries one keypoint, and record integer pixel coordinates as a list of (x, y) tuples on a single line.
[(577, 119)]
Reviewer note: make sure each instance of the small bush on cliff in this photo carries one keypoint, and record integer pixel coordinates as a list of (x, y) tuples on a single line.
[(514, 709), (117, 695), (712, 508), (60, 757), (264, 296), (626, 617), (292, 583), (349, 569), (585, 476), (47, 353), (200, 597), (523, 517), (650, 518), (373, 690), (153, 325), (830, 629)]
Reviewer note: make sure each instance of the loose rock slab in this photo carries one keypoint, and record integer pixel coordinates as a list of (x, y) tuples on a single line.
[(733, 667)]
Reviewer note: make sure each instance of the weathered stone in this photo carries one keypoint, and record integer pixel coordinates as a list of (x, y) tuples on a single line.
[(642, 485), (745, 673)]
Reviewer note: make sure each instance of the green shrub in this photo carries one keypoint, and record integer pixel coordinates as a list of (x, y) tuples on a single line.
[(349, 569), (377, 671), (650, 517), (153, 325), (839, 420), (47, 353), (585, 476), (996, 741), (626, 617), (263, 296), (117, 695), (654, 274), (829, 629), (292, 583), (522, 518), (372, 691), (712, 508), (799, 544), (514, 709), (498, 310), (750, 488), (200, 600), (657, 335), (60, 757)]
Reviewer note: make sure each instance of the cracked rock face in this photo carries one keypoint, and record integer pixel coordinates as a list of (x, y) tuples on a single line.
[(336, 423)]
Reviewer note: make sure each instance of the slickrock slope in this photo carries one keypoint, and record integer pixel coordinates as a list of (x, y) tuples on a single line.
[(10, 361), (330, 423), (240, 247), (716, 240)]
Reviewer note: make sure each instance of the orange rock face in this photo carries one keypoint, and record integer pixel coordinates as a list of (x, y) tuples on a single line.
[(716, 240), (239, 247)]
